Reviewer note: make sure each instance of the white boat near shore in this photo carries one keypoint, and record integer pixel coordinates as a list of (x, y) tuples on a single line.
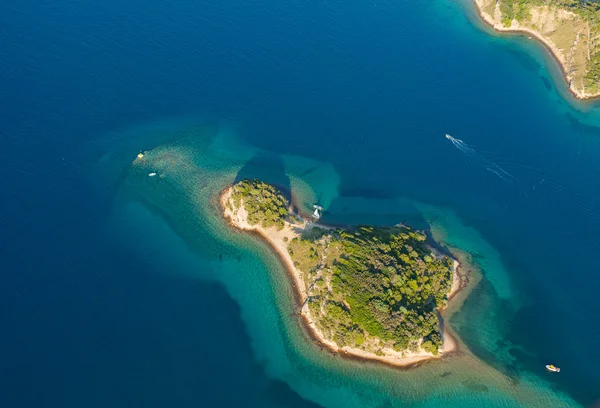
[(552, 368)]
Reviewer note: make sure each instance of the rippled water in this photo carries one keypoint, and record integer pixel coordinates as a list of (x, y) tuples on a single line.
[(191, 172), (112, 278)]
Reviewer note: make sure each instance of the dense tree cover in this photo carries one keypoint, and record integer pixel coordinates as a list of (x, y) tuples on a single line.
[(588, 10), (263, 202), (367, 287), (374, 286)]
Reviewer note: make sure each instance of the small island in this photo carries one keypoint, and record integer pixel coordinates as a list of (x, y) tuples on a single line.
[(370, 292), (570, 29)]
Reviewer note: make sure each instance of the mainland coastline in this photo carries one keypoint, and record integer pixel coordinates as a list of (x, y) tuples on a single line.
[(277, 239), (489, 12)]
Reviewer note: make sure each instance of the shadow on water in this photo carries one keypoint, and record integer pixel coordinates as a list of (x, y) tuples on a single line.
[(308, 171), (365, 192), (547, 82), (492, 349), (582, 127), (269, 168), (525, 59), (283, 395), (362, 208)]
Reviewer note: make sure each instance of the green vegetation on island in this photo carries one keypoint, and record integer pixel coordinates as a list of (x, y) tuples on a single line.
[(264, 204), (373, 288)]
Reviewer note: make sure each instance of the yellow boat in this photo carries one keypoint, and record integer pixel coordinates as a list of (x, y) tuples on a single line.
[(552, 368)]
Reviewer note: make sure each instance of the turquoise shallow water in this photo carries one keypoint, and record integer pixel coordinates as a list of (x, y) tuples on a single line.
[(348, 104), (194, 169)]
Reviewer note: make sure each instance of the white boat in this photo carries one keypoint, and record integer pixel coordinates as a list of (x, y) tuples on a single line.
[(152, 174), (552, 368), (317, 209)]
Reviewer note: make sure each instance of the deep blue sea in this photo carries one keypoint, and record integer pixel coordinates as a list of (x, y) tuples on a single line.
[(110, 304)]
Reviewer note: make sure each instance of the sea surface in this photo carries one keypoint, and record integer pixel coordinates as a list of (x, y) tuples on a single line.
[(121, 290)]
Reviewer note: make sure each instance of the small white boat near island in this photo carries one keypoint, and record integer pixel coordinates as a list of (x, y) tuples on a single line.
[(151, 174), (552, 368), (316, 214)]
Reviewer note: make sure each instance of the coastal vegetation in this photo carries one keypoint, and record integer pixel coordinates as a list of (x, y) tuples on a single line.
[(374, 287), (264, 204), (378, 289), (570, 27)]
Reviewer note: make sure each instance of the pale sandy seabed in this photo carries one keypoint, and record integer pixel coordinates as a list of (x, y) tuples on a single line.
[(187, 175)]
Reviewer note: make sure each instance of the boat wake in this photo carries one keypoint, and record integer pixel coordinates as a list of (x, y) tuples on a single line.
[(477, 156), (490, 163)]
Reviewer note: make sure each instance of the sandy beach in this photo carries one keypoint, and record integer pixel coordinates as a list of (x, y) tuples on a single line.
[(558, 54), (276, 240)]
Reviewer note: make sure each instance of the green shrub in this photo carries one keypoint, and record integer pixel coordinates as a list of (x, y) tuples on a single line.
[(264, 204)]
